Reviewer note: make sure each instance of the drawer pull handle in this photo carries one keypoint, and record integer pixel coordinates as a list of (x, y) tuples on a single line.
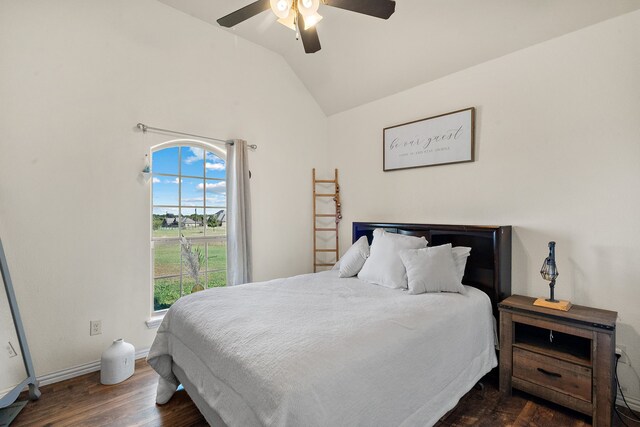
[(551, 374)]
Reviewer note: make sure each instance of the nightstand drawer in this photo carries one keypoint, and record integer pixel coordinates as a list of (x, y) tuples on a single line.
[(549, 372)]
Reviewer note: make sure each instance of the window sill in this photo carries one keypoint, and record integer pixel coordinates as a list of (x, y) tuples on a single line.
[(155, 321)]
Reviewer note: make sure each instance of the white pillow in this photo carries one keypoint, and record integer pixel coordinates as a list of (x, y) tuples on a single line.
[(431, 270), (460, 255), (384, 266), (352, 261)]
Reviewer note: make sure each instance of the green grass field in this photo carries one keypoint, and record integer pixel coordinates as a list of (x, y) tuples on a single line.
[(189, 232), (167, 261)]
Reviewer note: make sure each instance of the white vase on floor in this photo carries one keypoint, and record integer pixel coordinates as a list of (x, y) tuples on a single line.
[(117, 362)]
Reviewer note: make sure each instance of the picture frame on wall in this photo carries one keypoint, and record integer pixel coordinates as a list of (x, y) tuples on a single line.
[(438, 140)]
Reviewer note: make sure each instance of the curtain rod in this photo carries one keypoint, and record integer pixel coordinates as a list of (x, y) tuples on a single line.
[(144, 128)]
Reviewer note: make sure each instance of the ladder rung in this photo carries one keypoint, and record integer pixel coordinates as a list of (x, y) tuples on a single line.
[(326, 181), (326, 229), (326, 250), (326, 215), (326, 195), (324, 265)]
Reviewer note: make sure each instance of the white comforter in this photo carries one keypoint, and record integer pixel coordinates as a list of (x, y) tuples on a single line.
[(317, 350)]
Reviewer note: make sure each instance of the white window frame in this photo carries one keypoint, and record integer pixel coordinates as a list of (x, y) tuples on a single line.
[(157, 315)]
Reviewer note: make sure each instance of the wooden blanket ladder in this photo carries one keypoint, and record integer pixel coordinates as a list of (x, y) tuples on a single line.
[(322, 225)]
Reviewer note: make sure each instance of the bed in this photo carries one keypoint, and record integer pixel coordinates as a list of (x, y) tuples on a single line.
[(319, 350)]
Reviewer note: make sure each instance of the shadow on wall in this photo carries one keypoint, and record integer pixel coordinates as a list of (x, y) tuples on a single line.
[(519, 262)]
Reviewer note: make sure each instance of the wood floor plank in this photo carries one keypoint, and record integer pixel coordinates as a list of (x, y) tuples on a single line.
[(83, 401)]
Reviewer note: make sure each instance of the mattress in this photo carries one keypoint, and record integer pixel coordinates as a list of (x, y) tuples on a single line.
[(318, 350)]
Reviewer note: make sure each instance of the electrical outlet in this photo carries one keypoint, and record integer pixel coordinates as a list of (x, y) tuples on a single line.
[(622, 351), (95, 327)]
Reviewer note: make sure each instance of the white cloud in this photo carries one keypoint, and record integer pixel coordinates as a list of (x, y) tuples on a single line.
[(176, 180), (215, 166), (155, 180), (216, 200), (193, 200), (219, 187), (197, 154)]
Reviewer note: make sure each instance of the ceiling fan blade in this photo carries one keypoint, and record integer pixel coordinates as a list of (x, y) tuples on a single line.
[(249, 11), (377, 8), (310, 39)]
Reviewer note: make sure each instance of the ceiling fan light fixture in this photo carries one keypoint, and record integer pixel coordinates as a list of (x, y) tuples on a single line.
[(289, 21), (281, 7), (312, 20), (290, 12), (308, 7)]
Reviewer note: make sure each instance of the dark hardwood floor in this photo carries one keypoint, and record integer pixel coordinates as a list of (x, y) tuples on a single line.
[(83, 401)]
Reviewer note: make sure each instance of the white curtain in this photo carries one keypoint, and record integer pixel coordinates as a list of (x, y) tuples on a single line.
[(239, 261)]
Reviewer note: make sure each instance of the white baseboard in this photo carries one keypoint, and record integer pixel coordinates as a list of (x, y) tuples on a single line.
[(633, 402), (76, 371)]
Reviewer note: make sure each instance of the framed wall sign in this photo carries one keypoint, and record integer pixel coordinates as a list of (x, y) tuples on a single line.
[(439, 140)]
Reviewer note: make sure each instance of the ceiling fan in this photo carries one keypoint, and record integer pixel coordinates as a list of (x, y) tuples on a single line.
[(302, 15)]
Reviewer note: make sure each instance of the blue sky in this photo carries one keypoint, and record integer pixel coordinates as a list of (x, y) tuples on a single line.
[(202, 175)]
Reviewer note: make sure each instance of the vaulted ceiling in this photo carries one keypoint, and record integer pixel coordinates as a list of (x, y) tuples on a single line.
[(364, 58)]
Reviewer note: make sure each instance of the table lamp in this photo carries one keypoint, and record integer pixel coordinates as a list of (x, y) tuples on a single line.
[(549, 271)]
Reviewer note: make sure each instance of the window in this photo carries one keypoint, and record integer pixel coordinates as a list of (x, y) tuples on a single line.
[(188, 199)]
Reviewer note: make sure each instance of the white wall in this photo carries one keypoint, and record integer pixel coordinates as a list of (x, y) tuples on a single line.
[(75, 78), (557, 157)]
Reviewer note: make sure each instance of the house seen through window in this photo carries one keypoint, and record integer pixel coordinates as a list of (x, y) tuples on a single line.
[(188, 199)]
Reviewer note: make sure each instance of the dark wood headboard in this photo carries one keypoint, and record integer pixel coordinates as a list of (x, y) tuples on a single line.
[(489, 265)]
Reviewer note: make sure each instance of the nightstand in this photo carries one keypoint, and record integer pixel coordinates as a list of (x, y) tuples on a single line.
[(565, 357)]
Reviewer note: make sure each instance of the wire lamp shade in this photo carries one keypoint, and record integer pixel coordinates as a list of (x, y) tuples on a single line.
[(549, 271)]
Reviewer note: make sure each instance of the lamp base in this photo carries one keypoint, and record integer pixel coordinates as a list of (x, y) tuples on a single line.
[(558, 305)]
